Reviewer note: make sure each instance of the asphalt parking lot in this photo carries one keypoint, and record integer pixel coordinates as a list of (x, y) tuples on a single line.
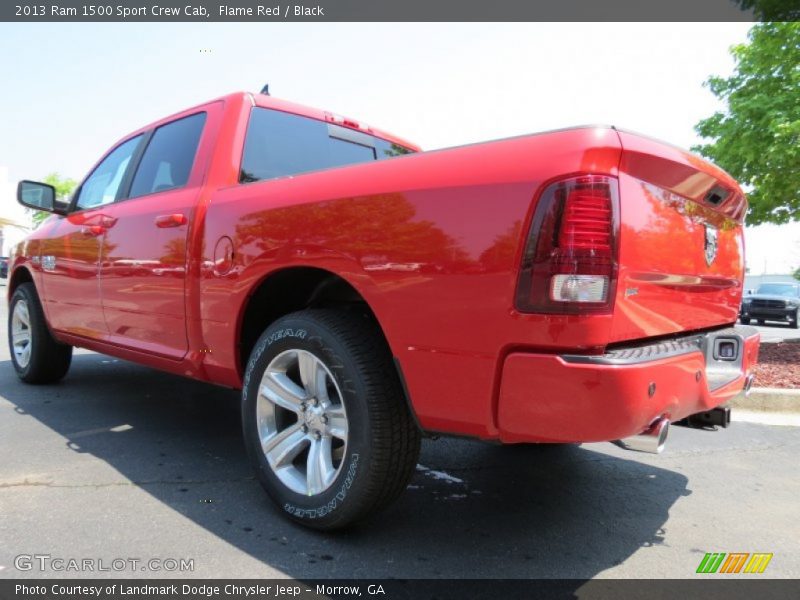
[(120, 461)]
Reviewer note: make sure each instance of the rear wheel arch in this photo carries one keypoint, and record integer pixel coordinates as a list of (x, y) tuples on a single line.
[(292, 289), (308, 288)]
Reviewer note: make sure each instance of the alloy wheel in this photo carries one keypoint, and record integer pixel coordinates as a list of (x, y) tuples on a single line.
[(302, 422), (21, 336)]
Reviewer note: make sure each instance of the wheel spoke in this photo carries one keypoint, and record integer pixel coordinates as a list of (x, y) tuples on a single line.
[(301, 454), (282, 391), (21, 310), (26, 354), (283, 447), (319, 467), (21, 337), (313, 376), (337, 422)]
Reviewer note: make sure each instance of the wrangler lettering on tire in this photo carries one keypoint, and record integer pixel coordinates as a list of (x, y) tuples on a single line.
[(325, 422)]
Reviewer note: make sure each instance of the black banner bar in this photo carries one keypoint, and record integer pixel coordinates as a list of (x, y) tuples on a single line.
[(710, 588), (269, 11)]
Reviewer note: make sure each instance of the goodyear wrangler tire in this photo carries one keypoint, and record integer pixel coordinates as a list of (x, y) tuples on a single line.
[(37, 357), (326, 425)]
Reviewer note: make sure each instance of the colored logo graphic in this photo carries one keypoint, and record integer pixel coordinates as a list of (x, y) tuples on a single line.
[(735, 562)]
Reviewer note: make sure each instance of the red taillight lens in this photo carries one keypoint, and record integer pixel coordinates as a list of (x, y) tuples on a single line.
[(570, 260)]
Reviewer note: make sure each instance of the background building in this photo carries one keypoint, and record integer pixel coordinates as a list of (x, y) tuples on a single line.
[(15, 221)]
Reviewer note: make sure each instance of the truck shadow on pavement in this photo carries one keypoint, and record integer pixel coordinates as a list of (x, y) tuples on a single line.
[(472, 509)]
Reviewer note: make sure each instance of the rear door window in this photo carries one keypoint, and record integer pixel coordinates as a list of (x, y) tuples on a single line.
[(169, 156)]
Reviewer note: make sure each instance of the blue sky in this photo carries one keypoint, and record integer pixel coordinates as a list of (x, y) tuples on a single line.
[(71, 90)]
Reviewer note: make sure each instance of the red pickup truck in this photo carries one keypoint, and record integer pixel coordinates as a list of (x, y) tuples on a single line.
[(578, 285)]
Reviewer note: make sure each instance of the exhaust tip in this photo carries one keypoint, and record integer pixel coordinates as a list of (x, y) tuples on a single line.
[(652, 440)]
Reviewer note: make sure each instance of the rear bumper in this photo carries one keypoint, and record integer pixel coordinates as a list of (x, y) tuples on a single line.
[(578, 398)]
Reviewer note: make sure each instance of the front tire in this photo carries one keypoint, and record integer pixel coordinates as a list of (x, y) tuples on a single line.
[(37, 356), (326, 424), (745, 320), (794, 323)]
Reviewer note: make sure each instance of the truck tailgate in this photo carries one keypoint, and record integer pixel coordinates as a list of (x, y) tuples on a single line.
[(681, 254)]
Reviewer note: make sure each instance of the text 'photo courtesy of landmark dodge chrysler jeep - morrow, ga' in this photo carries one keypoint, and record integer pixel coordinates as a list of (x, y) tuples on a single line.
[(579, 285)]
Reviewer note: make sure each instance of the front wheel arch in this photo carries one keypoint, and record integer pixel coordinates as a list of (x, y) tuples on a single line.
[(19, 276)]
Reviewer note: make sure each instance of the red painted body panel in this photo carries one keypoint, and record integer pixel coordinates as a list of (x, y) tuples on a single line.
[(663, 232), (433, 243)]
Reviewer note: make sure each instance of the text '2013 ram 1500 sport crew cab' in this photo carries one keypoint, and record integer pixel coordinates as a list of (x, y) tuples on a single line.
[(579, 285)]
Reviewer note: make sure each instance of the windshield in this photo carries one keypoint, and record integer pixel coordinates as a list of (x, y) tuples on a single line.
[(779, 289)]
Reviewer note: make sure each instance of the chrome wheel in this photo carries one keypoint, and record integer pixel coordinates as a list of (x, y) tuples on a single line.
[(21, 337), (302, 422)]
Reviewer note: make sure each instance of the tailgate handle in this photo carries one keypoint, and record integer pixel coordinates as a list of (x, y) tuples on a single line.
[(175, 220)]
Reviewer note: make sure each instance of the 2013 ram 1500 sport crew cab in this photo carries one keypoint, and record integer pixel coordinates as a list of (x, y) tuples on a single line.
[(573, 286)]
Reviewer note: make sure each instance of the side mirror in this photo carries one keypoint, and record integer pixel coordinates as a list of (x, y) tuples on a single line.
[(39, 196)]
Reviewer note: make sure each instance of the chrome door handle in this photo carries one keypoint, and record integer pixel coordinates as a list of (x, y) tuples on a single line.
[(174, 220)]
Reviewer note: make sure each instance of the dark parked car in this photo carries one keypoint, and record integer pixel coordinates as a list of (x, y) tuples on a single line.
[(3, 267), (772, 302)]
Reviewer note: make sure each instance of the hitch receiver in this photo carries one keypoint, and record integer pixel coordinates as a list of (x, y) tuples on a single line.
[(719, 416)]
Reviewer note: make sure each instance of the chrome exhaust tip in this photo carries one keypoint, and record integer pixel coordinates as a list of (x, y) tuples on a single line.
[(652, 440)]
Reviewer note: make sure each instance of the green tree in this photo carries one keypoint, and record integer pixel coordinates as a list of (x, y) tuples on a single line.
[(757, 138), (64, 187), (796, 273), (772, 10)]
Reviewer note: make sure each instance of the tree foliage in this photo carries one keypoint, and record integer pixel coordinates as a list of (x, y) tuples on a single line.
[(64, 187), (772, 10), (757, 138)]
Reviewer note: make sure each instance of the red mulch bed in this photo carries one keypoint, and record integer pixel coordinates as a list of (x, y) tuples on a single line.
[(778, 365)]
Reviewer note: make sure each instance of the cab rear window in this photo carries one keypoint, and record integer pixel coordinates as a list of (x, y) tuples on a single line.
[(280, 144)]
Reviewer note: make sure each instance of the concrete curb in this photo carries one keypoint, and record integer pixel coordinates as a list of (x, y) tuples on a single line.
[(792, 340), (769, 400)]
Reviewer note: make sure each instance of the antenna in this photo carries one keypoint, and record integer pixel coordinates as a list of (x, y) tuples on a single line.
[(265, 89)]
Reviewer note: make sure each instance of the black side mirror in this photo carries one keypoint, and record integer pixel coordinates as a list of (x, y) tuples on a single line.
[(39, 196)]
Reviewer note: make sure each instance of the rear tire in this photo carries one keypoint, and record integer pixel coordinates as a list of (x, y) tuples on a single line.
[(326, 423), (745, 320), (37, 357), (760, 321)]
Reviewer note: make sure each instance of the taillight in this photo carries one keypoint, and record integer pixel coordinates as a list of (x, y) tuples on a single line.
[(570, 260)]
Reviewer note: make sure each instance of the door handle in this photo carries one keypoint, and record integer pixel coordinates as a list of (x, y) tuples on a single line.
[(93, 230), (174, 220), (107, 222)]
